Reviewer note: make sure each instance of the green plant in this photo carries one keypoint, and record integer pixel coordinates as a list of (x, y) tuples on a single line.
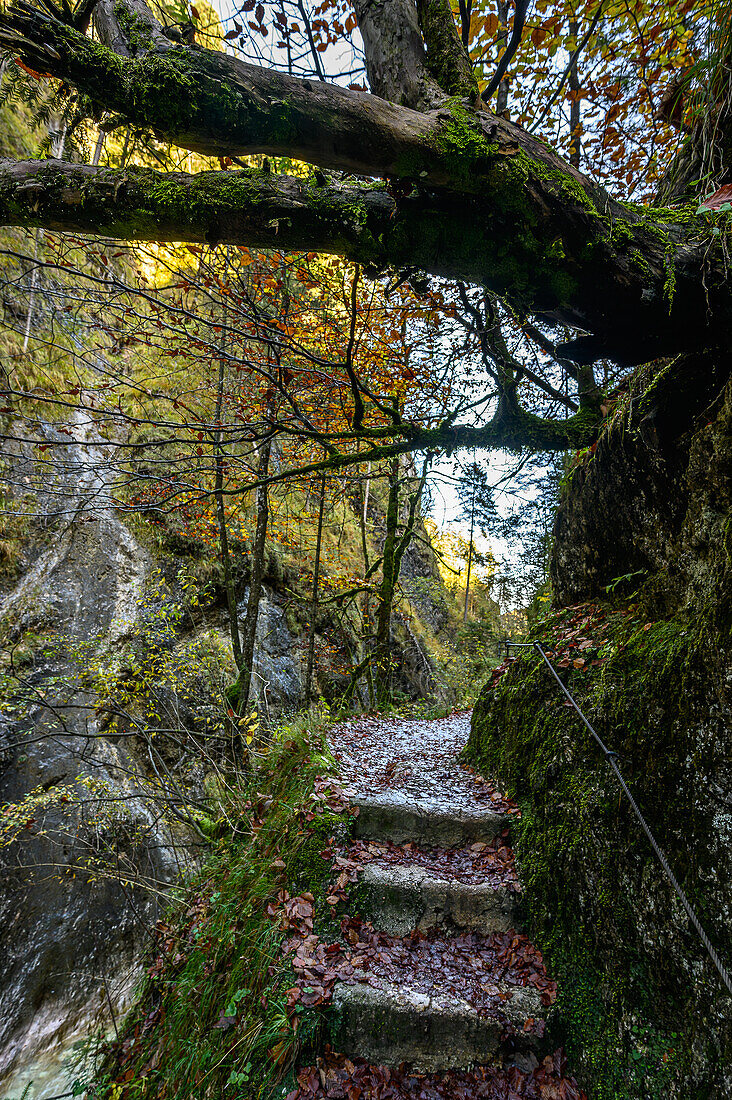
[(620, 582), (214, 1002)]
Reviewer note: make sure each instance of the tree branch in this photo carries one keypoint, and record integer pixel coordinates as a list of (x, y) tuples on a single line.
[(589, 274), (214, 104), (510, 429), (396, 64), (447, 57), (129, 27), (519, 22), (571, 65)]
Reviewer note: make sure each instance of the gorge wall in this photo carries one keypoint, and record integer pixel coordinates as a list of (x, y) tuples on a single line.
[(641, 631), (113, 633)]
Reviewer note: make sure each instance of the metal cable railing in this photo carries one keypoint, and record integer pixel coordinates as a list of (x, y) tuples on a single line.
[(610, 757)]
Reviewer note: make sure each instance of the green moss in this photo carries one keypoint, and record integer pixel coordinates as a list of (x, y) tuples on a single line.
[(669, 285), (137, 30), (640, 263), (233, 694), (462, 143), (636, 1009), (621, 235), (178, 93), (220, 955), (446, 57), (685, 214), (308, 870)]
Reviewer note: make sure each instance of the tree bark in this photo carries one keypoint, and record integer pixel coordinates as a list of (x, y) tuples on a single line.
[(382, 639), (255, 579), (447, 58), (396, 62), (220, 500), (470, 557), (575, 145), (395, 546), (502, 42), (664, 278), (314, 599), (129, 28), (489, 203), (214, 104)]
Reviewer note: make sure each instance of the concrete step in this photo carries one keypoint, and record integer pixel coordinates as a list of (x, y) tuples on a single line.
[(401, 898), (393, 1024), (391, 816)]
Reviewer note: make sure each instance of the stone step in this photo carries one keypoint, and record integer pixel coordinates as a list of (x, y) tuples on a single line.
[(391, 816), (401, 898), (394, 1024)]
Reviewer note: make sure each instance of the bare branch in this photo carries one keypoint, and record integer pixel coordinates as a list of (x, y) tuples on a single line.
[(519, 22)]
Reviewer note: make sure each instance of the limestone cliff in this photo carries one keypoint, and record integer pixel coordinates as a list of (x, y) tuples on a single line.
[(642, 579), (113, 633)]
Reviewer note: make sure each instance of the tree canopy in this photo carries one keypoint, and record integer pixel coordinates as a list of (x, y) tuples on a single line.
[(424, 174)]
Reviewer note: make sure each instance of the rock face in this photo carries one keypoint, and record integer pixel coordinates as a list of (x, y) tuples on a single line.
[(654, 500), (644, 1011), (87, 594), (277, 682), (70, 947)]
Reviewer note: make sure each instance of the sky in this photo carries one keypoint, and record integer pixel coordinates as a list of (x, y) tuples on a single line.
[(444, 507)]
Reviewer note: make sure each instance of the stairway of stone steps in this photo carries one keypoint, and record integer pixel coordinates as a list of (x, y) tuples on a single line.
[(437, 994)]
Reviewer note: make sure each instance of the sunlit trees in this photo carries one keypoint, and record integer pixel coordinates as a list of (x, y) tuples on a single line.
[(477, 510), (405, 270), (468, 193)]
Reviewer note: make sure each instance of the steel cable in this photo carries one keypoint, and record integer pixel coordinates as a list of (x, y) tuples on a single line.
[(610, 756)]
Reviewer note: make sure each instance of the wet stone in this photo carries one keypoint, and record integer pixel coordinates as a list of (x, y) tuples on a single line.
[(434, 993), (401, 899)]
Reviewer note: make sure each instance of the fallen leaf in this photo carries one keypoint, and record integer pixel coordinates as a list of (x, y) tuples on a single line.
[(718, 199)]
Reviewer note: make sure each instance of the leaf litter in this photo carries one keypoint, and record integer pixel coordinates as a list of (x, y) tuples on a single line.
[(481, 969), (488, 863), (418, 759), (343, 1078)]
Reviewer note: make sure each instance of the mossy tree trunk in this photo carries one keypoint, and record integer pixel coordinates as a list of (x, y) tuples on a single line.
[(220, 501), (256, 576), (490, 203), (314, 598), (395, 546), (381, 661)]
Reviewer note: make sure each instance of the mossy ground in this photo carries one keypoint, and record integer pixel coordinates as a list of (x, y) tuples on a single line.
[(641, 1009), (212, 1017)]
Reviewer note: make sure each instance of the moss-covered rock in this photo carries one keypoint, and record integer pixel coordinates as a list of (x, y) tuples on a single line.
[(655, 494), (643, 1010), (213, 1016)]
